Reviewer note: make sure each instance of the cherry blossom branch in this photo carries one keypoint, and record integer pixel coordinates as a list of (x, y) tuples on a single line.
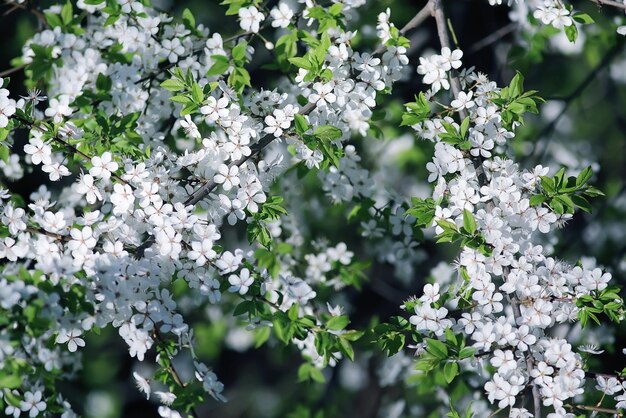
[(35, 12), (204, 190), (529, 359), (492, 38), (442, 31), (610, 3), (444, 39), (66, 144), (598, 409), (42, 231), (417, 20), (12, 70)]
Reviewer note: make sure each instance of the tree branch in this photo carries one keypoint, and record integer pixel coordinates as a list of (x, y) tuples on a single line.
[(492, 38), (610, 3), (606, 60), (444, 39), (204, 190), (529, 360), (417, 20), (66, 144), (12, 70)]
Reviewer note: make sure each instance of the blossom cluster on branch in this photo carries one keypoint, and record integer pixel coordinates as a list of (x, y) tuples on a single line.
[(159, 150)]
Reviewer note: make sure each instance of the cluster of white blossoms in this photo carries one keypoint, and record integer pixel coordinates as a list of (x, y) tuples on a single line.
[(7, 106), (512, 294), (435, 68), (163, 169), (549, 12), (125, 228)]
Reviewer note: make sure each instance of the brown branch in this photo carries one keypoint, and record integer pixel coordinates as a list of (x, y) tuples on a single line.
[(598, 409), (12, 70), (444, 39), (42, 231), (417, 20), (66, 144), (204, 190), (529, 362), (549, 128), (492, 38), (610, 3), (35, 12)]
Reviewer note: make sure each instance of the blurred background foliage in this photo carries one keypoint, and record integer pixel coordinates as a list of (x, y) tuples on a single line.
[(583, 122)]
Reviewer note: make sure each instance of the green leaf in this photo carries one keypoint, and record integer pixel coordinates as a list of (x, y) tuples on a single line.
[(181, 98), (450, 371), (220, 65), (584, 177), (327, 133), (293, 312), (583, 18), (280, 331), (469, 223), (301, 124), (301, 62), (67, 13), (465, 126), (437, 348), (173, 85), (53, 20), (346, 348), (197, 94), (352, 335), (11, 381), (571, 32), (548, 184), (261, 335), (239, 51), (466, 352), (516, 86), (338, 323), (593, 192), (189, 19), (244, 308), (537, 199)]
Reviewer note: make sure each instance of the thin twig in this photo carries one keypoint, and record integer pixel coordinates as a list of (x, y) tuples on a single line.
[(204, 190), (172, 369), (606, 60), (417, 20), (610, 3), (598, 409), (529, 360), (42, 231), (444, 39), (66, 144), (12, 70), (492, 38), (35, 12)]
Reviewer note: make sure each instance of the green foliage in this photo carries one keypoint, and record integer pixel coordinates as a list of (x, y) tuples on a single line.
[(607, 302), (270, 210), (442, 357), (417, 111), (313, 60), (391, 336), (515, 101), (564, 195), (327, 18), (322, 138)]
